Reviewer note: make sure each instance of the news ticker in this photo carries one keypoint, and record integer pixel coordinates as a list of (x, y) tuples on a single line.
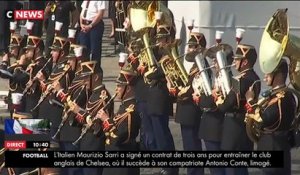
[(63, 159), (22, 144)]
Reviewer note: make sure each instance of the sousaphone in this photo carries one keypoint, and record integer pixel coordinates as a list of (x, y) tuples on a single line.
[(277, 42)]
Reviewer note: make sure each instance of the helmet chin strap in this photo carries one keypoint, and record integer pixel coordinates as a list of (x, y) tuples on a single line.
[(240, 65), (123, 93)]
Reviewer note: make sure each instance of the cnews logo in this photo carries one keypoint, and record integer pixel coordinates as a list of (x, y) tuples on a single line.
[(25, 14)]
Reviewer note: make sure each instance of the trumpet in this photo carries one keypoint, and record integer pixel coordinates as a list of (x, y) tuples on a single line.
[(88, 126), (34, 79), (49, 89), (65, 117)]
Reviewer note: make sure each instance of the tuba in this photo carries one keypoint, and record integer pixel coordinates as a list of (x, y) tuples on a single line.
[(221, 53), (142, 18), (173, 68), (276, 36), (201, 82)]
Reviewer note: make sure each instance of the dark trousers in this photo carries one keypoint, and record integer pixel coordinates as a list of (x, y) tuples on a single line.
[(191, 142), (93, 41), (147, 134), (234, 139), (214, 146), (163, 137), (68, 146)]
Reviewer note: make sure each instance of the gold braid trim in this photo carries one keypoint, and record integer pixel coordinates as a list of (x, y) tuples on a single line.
[(120, 118), (278, 122), (56, 76), (95, 106)]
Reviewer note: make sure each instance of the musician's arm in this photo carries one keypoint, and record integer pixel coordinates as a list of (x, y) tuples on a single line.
[(20, 77), (229, 103), (270, 115), (155, 73)]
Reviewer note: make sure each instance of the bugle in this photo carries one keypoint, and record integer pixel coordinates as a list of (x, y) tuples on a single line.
[(66, 115), (94, 118), (49, 90)]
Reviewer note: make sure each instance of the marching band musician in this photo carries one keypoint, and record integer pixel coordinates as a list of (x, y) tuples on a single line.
[(159, 102), (147, 141), (16, 85), (34, 52), (78, 93), (234, 131), (276, 118), (63, 72), (187, 112), (210, 129), (85, 92), (122, 129)]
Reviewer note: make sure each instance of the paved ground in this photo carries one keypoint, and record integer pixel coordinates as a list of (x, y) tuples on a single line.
[(110, 67)]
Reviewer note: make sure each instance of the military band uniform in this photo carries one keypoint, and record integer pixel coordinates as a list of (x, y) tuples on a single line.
[(38, 62), (210, 129), (61, 72), (234, 136), (78, 92), (16, 83), (188, 114), (121, 130), (34, 93), (147, 141), (277, 116), (94, 139)]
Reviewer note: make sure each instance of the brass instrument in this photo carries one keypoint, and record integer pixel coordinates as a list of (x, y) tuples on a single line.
[(66, 112), (173, 68), (276, 36), (201, 82), (253, 121), (93, 119), (142, 18), (142, 14), (223, 81), (32, 81), (50, 88)]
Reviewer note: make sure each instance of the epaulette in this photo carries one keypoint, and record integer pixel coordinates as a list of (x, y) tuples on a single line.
[(275, 99)]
